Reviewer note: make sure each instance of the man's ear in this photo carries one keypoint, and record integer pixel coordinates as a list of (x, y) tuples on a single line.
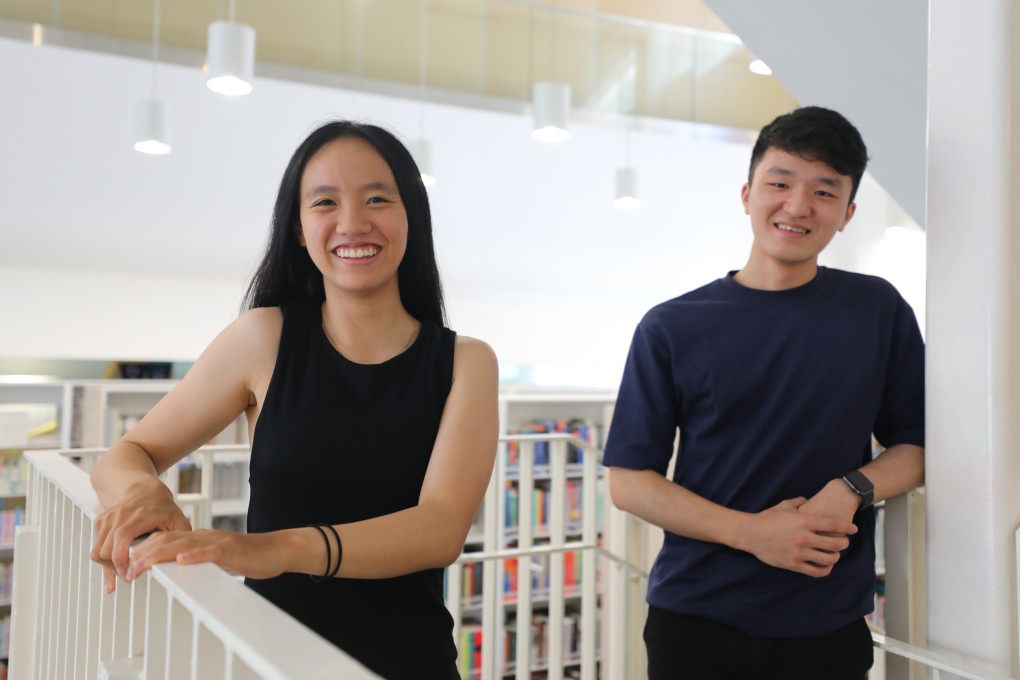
[(745, 193), (850, 210)]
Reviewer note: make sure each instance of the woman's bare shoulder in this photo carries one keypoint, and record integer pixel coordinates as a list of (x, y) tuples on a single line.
[(472, 354)]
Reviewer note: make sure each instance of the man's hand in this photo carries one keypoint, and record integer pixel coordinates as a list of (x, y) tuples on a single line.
[(788, 537), (836, 500)]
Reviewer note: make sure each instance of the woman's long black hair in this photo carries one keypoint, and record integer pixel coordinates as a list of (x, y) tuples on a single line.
[(287, 273)]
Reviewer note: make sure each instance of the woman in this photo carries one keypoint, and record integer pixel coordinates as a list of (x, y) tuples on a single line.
[(373, 427)]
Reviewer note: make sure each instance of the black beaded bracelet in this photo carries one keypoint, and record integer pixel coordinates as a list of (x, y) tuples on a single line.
[(329, 556), (339, 550)]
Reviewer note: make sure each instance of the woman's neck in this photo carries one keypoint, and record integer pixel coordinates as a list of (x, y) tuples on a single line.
[(367, 332)]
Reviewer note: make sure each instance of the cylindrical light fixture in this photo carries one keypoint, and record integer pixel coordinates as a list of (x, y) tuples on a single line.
[(551, 111), (230, 58), (421, 149), (626, 189), (151, 127)]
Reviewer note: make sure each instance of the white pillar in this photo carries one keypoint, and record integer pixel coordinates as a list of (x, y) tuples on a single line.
[(973, 338)]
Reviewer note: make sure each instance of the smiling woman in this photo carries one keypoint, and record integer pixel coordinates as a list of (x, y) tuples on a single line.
[(344, 331), (353, 223)]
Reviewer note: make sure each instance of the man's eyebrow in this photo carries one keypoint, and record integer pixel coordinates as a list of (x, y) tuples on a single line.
[(780, 171)]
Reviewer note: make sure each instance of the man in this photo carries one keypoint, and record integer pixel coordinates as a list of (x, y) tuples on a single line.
[(777, 377)]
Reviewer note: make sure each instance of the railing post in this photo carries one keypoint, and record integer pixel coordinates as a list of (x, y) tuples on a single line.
[(557, 536), (24, 603), (905, 580), (525, 486), (589, 568), (491, 594)]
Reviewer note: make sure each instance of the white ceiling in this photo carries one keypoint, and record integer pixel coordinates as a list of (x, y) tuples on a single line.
[(76, 195), (534, 257)]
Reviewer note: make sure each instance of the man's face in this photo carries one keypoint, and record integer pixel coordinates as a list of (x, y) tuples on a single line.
[(796, 207)]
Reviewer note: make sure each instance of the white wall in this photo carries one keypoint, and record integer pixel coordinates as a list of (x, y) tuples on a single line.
[(107, 254)]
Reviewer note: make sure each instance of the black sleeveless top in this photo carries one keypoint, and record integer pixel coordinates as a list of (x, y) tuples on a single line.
[(340, 442)]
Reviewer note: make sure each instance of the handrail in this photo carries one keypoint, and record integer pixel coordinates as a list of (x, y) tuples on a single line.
[(938, 662), (227, 631), (176, 621)]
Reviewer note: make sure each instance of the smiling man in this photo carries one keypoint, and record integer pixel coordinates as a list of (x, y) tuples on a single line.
[(777, 376)]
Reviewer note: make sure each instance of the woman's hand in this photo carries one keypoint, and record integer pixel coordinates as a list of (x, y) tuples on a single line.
[(147, 507), (255, 556)]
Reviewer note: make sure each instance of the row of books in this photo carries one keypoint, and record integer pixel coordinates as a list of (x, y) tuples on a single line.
[(6, 582), (538, 632), (13, 473), (5, 639), (585, 430), (539, 568), (8, 520), (573, 503), (471, 585)]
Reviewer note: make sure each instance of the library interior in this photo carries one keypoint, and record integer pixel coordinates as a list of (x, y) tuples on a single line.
[(583, 162)]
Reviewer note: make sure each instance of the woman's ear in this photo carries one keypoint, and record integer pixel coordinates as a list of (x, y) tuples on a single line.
[(300, 234)]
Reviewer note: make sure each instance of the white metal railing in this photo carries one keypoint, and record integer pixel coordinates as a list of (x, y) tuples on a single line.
[(175, 622), (622, 582), (200, 622), (938, 666)]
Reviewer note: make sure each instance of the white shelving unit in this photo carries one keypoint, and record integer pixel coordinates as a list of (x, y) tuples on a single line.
[(519, 406)]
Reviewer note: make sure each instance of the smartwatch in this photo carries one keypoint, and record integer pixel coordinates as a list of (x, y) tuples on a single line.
[(861, 486)]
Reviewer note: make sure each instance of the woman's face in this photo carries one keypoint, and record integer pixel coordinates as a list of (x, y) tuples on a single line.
[(352, 220)]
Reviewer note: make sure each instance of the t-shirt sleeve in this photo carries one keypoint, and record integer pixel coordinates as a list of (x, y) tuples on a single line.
[(901, 416), (644, 419)]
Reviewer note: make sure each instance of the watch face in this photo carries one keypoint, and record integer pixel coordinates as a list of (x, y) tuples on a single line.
[(862, 486)]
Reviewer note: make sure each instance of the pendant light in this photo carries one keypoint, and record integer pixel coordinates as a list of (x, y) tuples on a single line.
[(150, 115), (626, 189), (626, 176), (421, 148), (551, 100), (551, 111), (231, 56)]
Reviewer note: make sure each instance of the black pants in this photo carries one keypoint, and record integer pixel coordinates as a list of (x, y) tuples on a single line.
[(691, 648)]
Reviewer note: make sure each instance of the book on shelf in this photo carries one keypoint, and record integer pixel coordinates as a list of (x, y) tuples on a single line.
[(9, 519), (540, 508), (585, 430)]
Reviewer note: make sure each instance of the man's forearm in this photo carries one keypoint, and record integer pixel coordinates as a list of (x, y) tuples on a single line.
[(897, 470)]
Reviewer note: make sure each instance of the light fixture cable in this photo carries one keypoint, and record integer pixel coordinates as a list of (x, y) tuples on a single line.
[(155, 44), (150, 116)]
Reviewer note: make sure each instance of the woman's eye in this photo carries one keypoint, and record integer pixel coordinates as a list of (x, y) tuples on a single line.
[(378, 199), (323, 201)]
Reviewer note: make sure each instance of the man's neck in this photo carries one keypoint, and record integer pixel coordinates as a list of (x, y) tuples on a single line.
[(776, 276)]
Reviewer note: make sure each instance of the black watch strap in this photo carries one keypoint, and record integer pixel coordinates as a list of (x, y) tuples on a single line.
[(861, 486)]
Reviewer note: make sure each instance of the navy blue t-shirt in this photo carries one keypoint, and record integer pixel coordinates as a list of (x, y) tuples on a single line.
[(775, 393)]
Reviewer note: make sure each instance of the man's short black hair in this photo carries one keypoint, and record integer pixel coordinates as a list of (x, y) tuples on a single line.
[(815, 134)]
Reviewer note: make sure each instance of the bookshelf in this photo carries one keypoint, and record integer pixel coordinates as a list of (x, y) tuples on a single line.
[(535, 411)]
